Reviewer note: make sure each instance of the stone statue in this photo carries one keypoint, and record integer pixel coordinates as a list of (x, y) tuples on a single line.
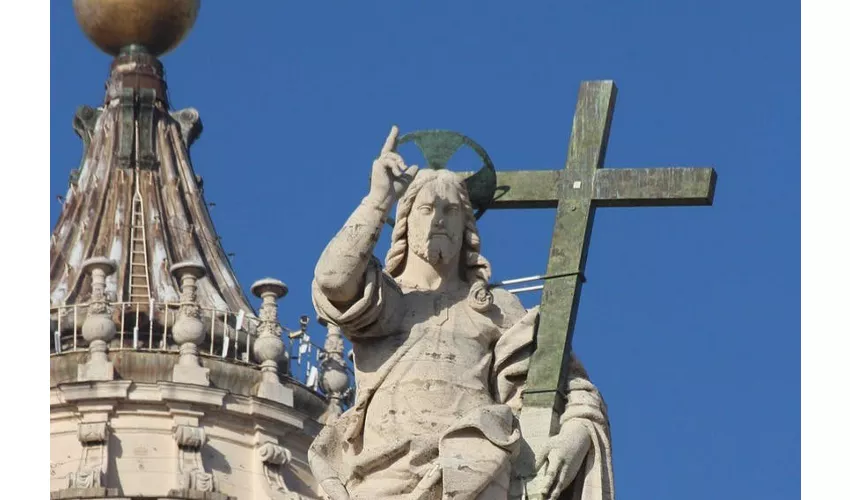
[(440, 358)]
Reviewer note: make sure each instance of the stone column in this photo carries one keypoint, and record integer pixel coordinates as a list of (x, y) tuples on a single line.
[(189, 331), (334, 379), (268, 347), (98, 328)]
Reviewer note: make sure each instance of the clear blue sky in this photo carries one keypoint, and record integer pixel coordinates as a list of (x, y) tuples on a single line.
[(689, 322)]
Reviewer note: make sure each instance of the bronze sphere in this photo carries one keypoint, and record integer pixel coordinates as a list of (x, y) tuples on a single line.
[(156, 25)]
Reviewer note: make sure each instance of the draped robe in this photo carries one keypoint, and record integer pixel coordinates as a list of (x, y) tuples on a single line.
[(438, 390)]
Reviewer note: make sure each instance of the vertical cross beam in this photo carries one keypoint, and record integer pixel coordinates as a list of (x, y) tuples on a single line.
[(543, 399), (570, 240)]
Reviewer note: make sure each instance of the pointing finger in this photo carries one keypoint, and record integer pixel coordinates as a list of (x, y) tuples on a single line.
[(390, 143)]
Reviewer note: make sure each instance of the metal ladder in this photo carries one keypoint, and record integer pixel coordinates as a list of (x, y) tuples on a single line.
[(139, 284)]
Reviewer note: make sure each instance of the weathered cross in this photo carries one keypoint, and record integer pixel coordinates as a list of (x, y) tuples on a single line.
[(575, 192)]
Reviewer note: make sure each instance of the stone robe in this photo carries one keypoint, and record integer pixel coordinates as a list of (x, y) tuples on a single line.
[(438, 388)]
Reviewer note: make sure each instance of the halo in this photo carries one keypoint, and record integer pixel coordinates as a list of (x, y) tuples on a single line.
[(438, 146)]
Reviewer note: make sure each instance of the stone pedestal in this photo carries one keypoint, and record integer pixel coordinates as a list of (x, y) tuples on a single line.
[(95, 372), (190, 374), (276, 392)]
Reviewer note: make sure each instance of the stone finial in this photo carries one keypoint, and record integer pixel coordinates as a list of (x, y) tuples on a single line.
[(268, 347), (98, 328), (189, 331), (99, 268), (334, 379)]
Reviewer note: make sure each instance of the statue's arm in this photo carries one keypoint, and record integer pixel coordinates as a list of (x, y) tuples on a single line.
[(340, 272)]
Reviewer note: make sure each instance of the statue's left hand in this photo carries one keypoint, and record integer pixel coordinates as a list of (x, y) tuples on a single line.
[(562, 456)]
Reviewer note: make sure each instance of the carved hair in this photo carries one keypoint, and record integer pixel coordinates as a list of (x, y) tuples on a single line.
[(475, 269)]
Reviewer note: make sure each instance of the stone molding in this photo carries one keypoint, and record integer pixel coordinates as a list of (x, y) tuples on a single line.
[(169, 392), (152, 367), (79, 391), (78, 493)]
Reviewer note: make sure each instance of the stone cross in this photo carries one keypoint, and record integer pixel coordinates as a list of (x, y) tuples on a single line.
[(575, 192)]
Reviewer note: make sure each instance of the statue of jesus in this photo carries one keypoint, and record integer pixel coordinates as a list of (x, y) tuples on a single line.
[(440, 358)]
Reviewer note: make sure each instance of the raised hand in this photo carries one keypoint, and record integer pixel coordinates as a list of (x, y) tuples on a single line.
[(390, 176)]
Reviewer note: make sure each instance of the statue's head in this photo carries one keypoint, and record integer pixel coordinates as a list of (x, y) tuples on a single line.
[(435, 222)]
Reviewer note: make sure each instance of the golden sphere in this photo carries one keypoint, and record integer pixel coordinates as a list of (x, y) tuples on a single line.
[(157, 25)]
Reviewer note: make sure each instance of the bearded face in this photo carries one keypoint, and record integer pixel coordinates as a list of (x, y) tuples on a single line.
[(436, 223)]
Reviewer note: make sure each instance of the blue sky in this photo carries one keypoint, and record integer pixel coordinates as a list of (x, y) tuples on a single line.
[(689, 321)]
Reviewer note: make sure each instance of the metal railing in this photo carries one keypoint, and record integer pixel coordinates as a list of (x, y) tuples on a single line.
[(147, 327)]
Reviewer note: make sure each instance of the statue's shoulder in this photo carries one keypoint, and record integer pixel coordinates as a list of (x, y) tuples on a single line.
[(507, 308)]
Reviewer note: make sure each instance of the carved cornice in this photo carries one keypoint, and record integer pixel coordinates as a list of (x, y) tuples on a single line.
[(275, 412), (192, 393), (82, 391), (102, 396)]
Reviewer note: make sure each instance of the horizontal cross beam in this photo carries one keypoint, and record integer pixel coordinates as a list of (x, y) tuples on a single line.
[(612, 187)]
